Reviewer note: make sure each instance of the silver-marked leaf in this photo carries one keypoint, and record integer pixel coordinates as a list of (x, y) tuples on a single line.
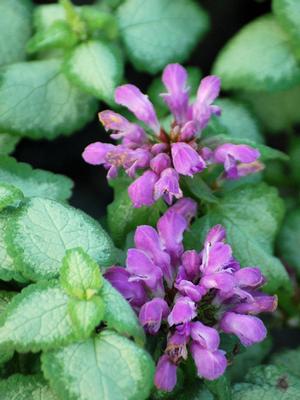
[(119, 315), (42, 230), (38, 101), (8, 269), (288, 15), (96, 68), (86, 315), (80, 275), (29, 387), (269, 383), (157, 32), (8, 143), (9, 195), (15, 30), (34, 182), (37, 319), (106, 367), (289, 360), (251, 216), (258, 57)]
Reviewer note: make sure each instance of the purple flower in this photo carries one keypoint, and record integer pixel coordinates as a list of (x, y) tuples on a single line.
[(165, 374), (152, 314), (186, 160), (177, 98), (210, 364), (141, 191), (232, 154), (184, 310), (168, 186), (163, 156), (198, 294), (138, 103), (134, 292), (249, 329)]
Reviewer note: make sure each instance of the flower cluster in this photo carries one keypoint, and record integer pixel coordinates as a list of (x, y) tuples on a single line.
[(190, 296), (164, 156)]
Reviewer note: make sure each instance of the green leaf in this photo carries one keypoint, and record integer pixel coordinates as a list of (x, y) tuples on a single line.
[(102, 23), (9, 195), (38, 101), (123, 218), (288, 15), (157, 32), (289, 239), (42, 230), (266, 153), (37, 319), (21, 387), (80, 275), (96, 68), (157, 87), (48, 14), (7, 143), (268, 383), (34, 182), (288, 360), (258, 58), (15, 30), (198, 188), (86, 314), (119, 315), (294, 153), (220, 388), (252, 356), (5, 299), (251, 216), (266, 106), (195, 392), (8, 269), (236, 121), (113, 368), (58, 35)]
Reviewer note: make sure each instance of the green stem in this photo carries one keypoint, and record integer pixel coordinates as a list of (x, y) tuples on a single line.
[(74, 20)]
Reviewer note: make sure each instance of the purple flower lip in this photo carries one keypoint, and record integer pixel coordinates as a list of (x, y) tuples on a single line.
[(156, 158)]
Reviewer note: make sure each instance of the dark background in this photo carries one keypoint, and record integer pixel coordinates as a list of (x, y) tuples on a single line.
[(63, 155)]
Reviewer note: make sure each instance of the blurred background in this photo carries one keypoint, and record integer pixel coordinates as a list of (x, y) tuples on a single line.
[(63, 155)]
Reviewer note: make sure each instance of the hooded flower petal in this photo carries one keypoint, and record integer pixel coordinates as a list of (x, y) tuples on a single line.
[(171, 227), (141, 191), (175, 80), (168, 186), (187, 288), (216, 234), (160, 162), (206, 336), (249, 329), (216, 257), (183, 311), (210, 364), (134, 292), (147, 239), (257, 304), (229, 154), (191, 263), (186, 207), (208, 91), (136, 159), (141, 268), (152, 314), (138, 103), (223, 281), (95, 153), (176, 347), (249, 277), (165, 375), (186, 160)]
